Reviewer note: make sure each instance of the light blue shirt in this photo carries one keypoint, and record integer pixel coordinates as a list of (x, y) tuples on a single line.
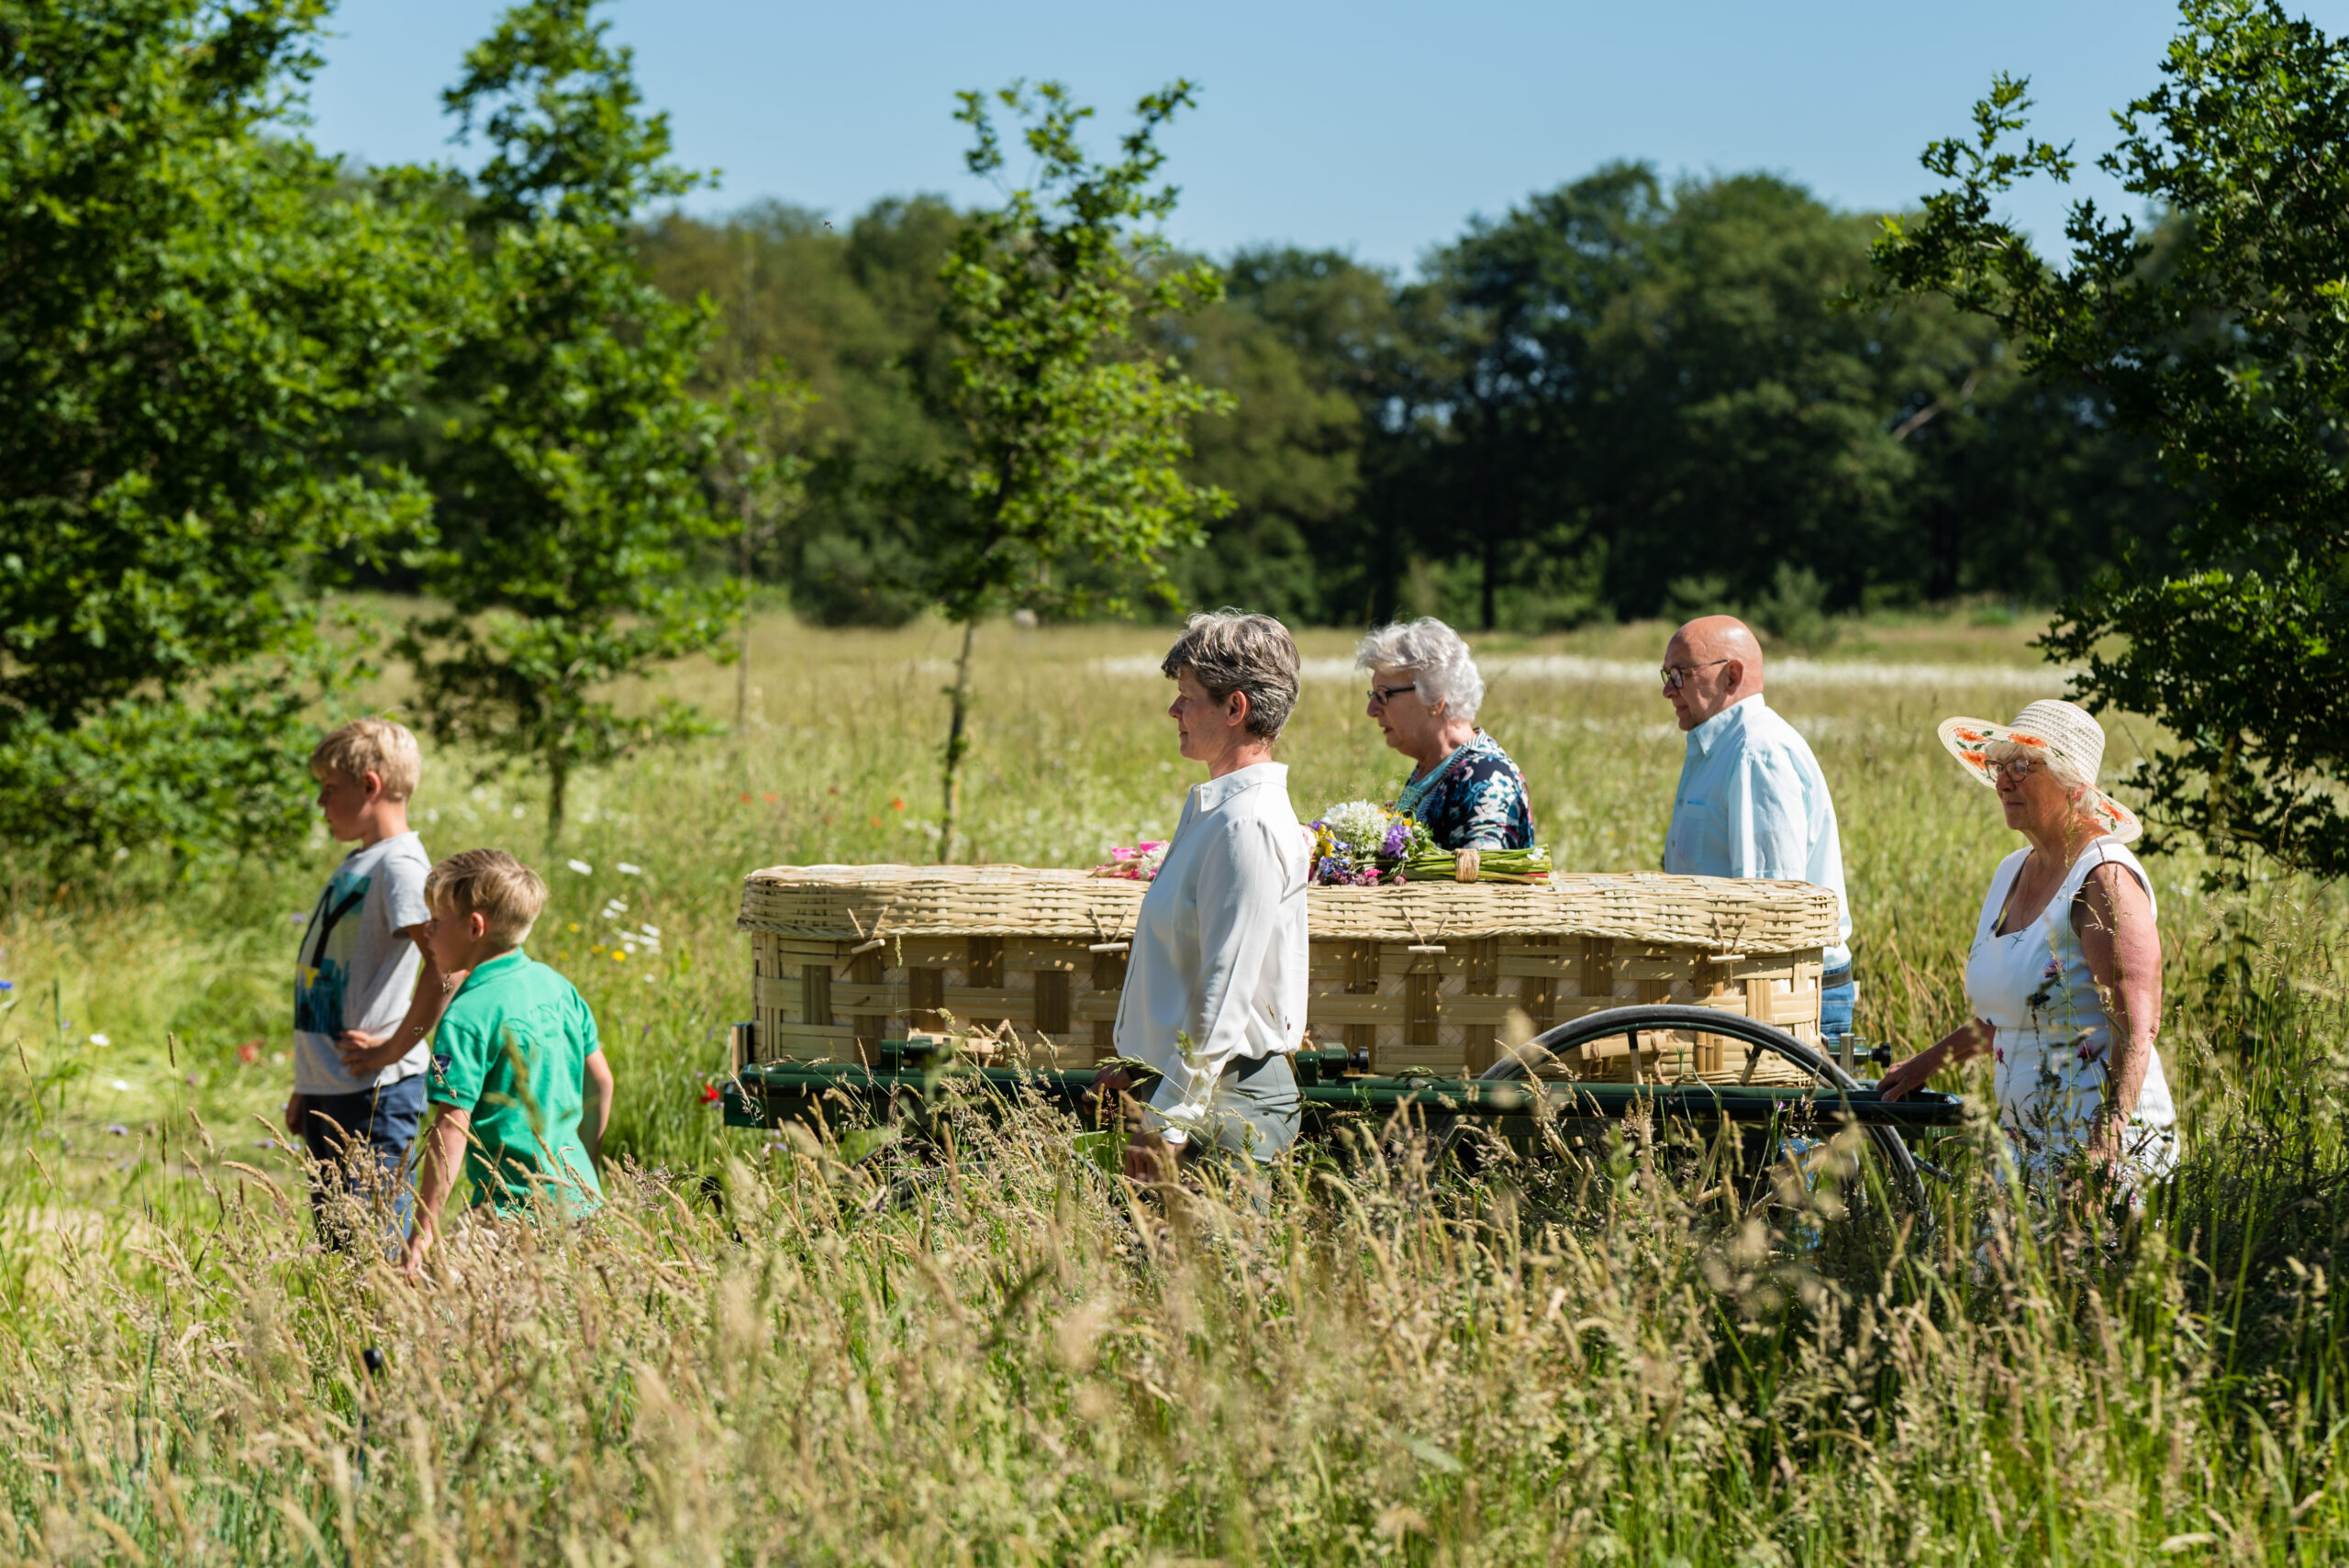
[(1753, 803)]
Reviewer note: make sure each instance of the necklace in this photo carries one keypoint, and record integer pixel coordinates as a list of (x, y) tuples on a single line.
[(1415, 791)]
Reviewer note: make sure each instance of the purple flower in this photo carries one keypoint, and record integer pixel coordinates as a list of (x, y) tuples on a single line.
[(1398, 835)]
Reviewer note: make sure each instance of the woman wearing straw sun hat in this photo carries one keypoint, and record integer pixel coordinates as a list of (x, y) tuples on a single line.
[(2064, 972)]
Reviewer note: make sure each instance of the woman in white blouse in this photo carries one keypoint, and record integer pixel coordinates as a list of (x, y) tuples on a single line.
[(1215, 988), (2065, 970)]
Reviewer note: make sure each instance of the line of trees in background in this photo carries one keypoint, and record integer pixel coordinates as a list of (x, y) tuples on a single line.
[(236, 374), (1623, 397)]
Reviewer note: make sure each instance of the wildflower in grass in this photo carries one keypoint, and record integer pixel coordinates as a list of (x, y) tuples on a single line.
[(627, 869), (899, 804), (711, 1095), (100, 1040), (249, 1052), (582, 867)]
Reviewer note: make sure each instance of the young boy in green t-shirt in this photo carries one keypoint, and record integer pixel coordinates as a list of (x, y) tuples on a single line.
[(519, 1089)]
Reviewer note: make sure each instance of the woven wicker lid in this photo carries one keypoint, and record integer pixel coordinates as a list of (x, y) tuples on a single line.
[(1719, 914)]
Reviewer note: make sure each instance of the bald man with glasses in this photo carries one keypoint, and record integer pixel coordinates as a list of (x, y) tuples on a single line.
[(1752, 801)]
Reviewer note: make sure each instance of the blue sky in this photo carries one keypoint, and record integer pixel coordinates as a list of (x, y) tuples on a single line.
[(1373, 127)]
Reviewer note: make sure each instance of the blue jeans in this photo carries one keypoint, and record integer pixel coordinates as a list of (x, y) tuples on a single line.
[(360, 1144), (1835, 1005)]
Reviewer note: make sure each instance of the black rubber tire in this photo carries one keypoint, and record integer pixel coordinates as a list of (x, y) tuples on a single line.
[(1737, 1027)]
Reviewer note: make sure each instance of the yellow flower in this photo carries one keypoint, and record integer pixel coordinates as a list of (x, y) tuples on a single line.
[(619, 955)]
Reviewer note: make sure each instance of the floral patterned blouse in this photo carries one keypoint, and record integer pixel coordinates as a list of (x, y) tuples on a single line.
[(1479, 803)]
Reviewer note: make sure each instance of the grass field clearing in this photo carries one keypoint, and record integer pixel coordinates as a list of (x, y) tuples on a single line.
[(1008, 1361)]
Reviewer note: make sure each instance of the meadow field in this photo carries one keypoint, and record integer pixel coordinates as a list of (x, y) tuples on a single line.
[(767, 1353)]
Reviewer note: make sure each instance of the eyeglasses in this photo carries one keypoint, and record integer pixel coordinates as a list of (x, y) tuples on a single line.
[(2012, 767), (1677, 675), (1381, 696)]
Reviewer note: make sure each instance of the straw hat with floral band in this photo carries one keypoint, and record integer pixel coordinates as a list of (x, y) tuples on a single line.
[(2064, 735)]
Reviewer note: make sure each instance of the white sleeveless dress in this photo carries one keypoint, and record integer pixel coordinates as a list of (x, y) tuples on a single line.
[(2054, 1040)]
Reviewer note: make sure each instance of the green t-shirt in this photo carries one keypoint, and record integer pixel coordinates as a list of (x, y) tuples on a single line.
[(512, 1049)]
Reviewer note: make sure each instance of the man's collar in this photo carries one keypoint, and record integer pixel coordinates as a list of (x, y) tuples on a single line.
[(1733, 717), (1215, 792)]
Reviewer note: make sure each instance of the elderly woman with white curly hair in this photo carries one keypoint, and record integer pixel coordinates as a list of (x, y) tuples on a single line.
[(1424, 693)]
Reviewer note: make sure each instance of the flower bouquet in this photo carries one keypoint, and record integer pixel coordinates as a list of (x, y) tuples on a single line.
[(1358, 844), (1134, 863)]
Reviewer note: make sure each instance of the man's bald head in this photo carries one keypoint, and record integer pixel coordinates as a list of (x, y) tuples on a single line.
[(1721, 660)]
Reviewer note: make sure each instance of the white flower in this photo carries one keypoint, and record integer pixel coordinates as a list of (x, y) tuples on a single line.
[(119, 1084), (100, 1040), (583, 868), (628, 870), (650, 929), (1358, 824)]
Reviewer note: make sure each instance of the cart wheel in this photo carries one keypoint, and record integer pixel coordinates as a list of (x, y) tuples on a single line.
[(1545, 1056)]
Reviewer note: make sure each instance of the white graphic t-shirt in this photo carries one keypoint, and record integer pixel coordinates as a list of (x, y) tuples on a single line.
[(354, 972)]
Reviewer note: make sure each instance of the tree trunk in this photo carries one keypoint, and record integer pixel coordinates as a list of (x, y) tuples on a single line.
[(743, 661), (1492, 570), (957, 742), (558, 782)]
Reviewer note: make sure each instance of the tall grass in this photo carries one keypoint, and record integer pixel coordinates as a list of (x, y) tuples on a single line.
[(770, 1352)]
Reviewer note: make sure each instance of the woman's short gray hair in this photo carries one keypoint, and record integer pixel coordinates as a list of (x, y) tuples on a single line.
[(1231, 651), (1437, 658)]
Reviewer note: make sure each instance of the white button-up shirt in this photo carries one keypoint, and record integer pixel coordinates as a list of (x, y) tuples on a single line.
[(1753, 803), (1219, 954)]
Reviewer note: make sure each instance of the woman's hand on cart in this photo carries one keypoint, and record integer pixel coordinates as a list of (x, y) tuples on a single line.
[(1968, 1040)]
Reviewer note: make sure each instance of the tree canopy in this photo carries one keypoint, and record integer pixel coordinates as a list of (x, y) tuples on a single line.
[(2224, 339), (568, 475), (199, 315), (1619, 396)]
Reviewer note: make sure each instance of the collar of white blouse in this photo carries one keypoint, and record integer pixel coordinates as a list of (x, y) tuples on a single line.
[(1214, 792)]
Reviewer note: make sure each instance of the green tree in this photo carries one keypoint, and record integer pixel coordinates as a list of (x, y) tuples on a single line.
[(195, 310), (1300, 343), (574, 525), (2227, 345), (761, 471), (1072, 434), (853, 307)]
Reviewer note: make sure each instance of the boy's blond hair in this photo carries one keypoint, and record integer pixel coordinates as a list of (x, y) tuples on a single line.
[(492, 884), (375, 745)]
